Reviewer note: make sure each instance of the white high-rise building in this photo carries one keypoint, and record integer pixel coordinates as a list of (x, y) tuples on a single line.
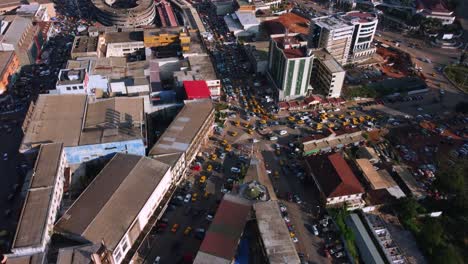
[(348, 38), (333, 34), (365, 25)]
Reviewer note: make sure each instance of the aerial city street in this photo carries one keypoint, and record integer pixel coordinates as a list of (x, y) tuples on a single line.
[(232, 131)]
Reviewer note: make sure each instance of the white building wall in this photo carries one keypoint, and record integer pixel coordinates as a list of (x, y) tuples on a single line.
[(124, 48), (144, 215), (337, 85)]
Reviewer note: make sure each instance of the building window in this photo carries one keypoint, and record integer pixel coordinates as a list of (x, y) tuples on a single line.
[(124, 245), (118, 257), (81, 87), (74, 87), (68, 88)]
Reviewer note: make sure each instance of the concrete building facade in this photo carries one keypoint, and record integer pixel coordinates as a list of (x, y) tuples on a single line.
[(134, 184), (327, 75), (290, 65), (332, 34), (365, 25), (42, 201)]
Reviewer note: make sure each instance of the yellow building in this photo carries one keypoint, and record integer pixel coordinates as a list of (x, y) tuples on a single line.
[(156, 37)]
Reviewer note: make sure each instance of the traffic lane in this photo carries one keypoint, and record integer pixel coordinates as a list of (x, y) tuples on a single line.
[(171, 246), (308, 244), (11, 175)]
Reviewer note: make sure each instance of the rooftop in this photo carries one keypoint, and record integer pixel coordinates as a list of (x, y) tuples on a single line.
[(5, 57), (433, 5), (69, 119), (180, 134), (328, 61), (333, 23), (276, 239), (33, 219), (416, 190), (46, 166), (16, 30), (225, 231), (202, 67), (85, 44), (196, 89), (78, 254), (376, 179), (56, 118), (124, 185), (141, 5), (293, 22), (293, 45), (71, 76), (247, 18), (30, 259), (119, 37), (362, 17), (334, 175), (113, 119)]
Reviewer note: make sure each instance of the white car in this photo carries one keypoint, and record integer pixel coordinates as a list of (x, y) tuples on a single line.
[(295, 240), (283, 132), (156, 261), (5, 156), (286, 219), (235, 170), (283, 208), (314, 228), (209, 217), (187, 198), (273, 138)]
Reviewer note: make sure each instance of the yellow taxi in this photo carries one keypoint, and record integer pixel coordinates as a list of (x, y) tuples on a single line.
[(291, 118), (214, 156), (250, 131), (203, 179), (194, 197), (209, 168), (187, 231), (233, 133), (300, 122)]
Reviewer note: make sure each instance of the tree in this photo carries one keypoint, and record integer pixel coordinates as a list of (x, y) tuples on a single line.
[(446, 255), (452, 180), (431, 235), (408, 209)]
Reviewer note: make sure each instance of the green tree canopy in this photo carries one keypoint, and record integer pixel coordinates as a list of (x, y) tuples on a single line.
[(446, 255), (452, 180)]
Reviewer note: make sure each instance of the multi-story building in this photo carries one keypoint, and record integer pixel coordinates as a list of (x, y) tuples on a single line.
[(333, 34), (88, 130), (20, 35), (119, 44), (132, 184), (9, 65), (42, 201), (72, 81), (182, 140), (34, 11), (162, 37), (85, 46), (335, 180), (435, 9), (123, 13), (290, 65), (327, 75), (365, 25), (200, 68)]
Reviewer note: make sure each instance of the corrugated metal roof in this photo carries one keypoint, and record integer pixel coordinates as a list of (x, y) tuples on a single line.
[(225, 231), (124, 185)]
